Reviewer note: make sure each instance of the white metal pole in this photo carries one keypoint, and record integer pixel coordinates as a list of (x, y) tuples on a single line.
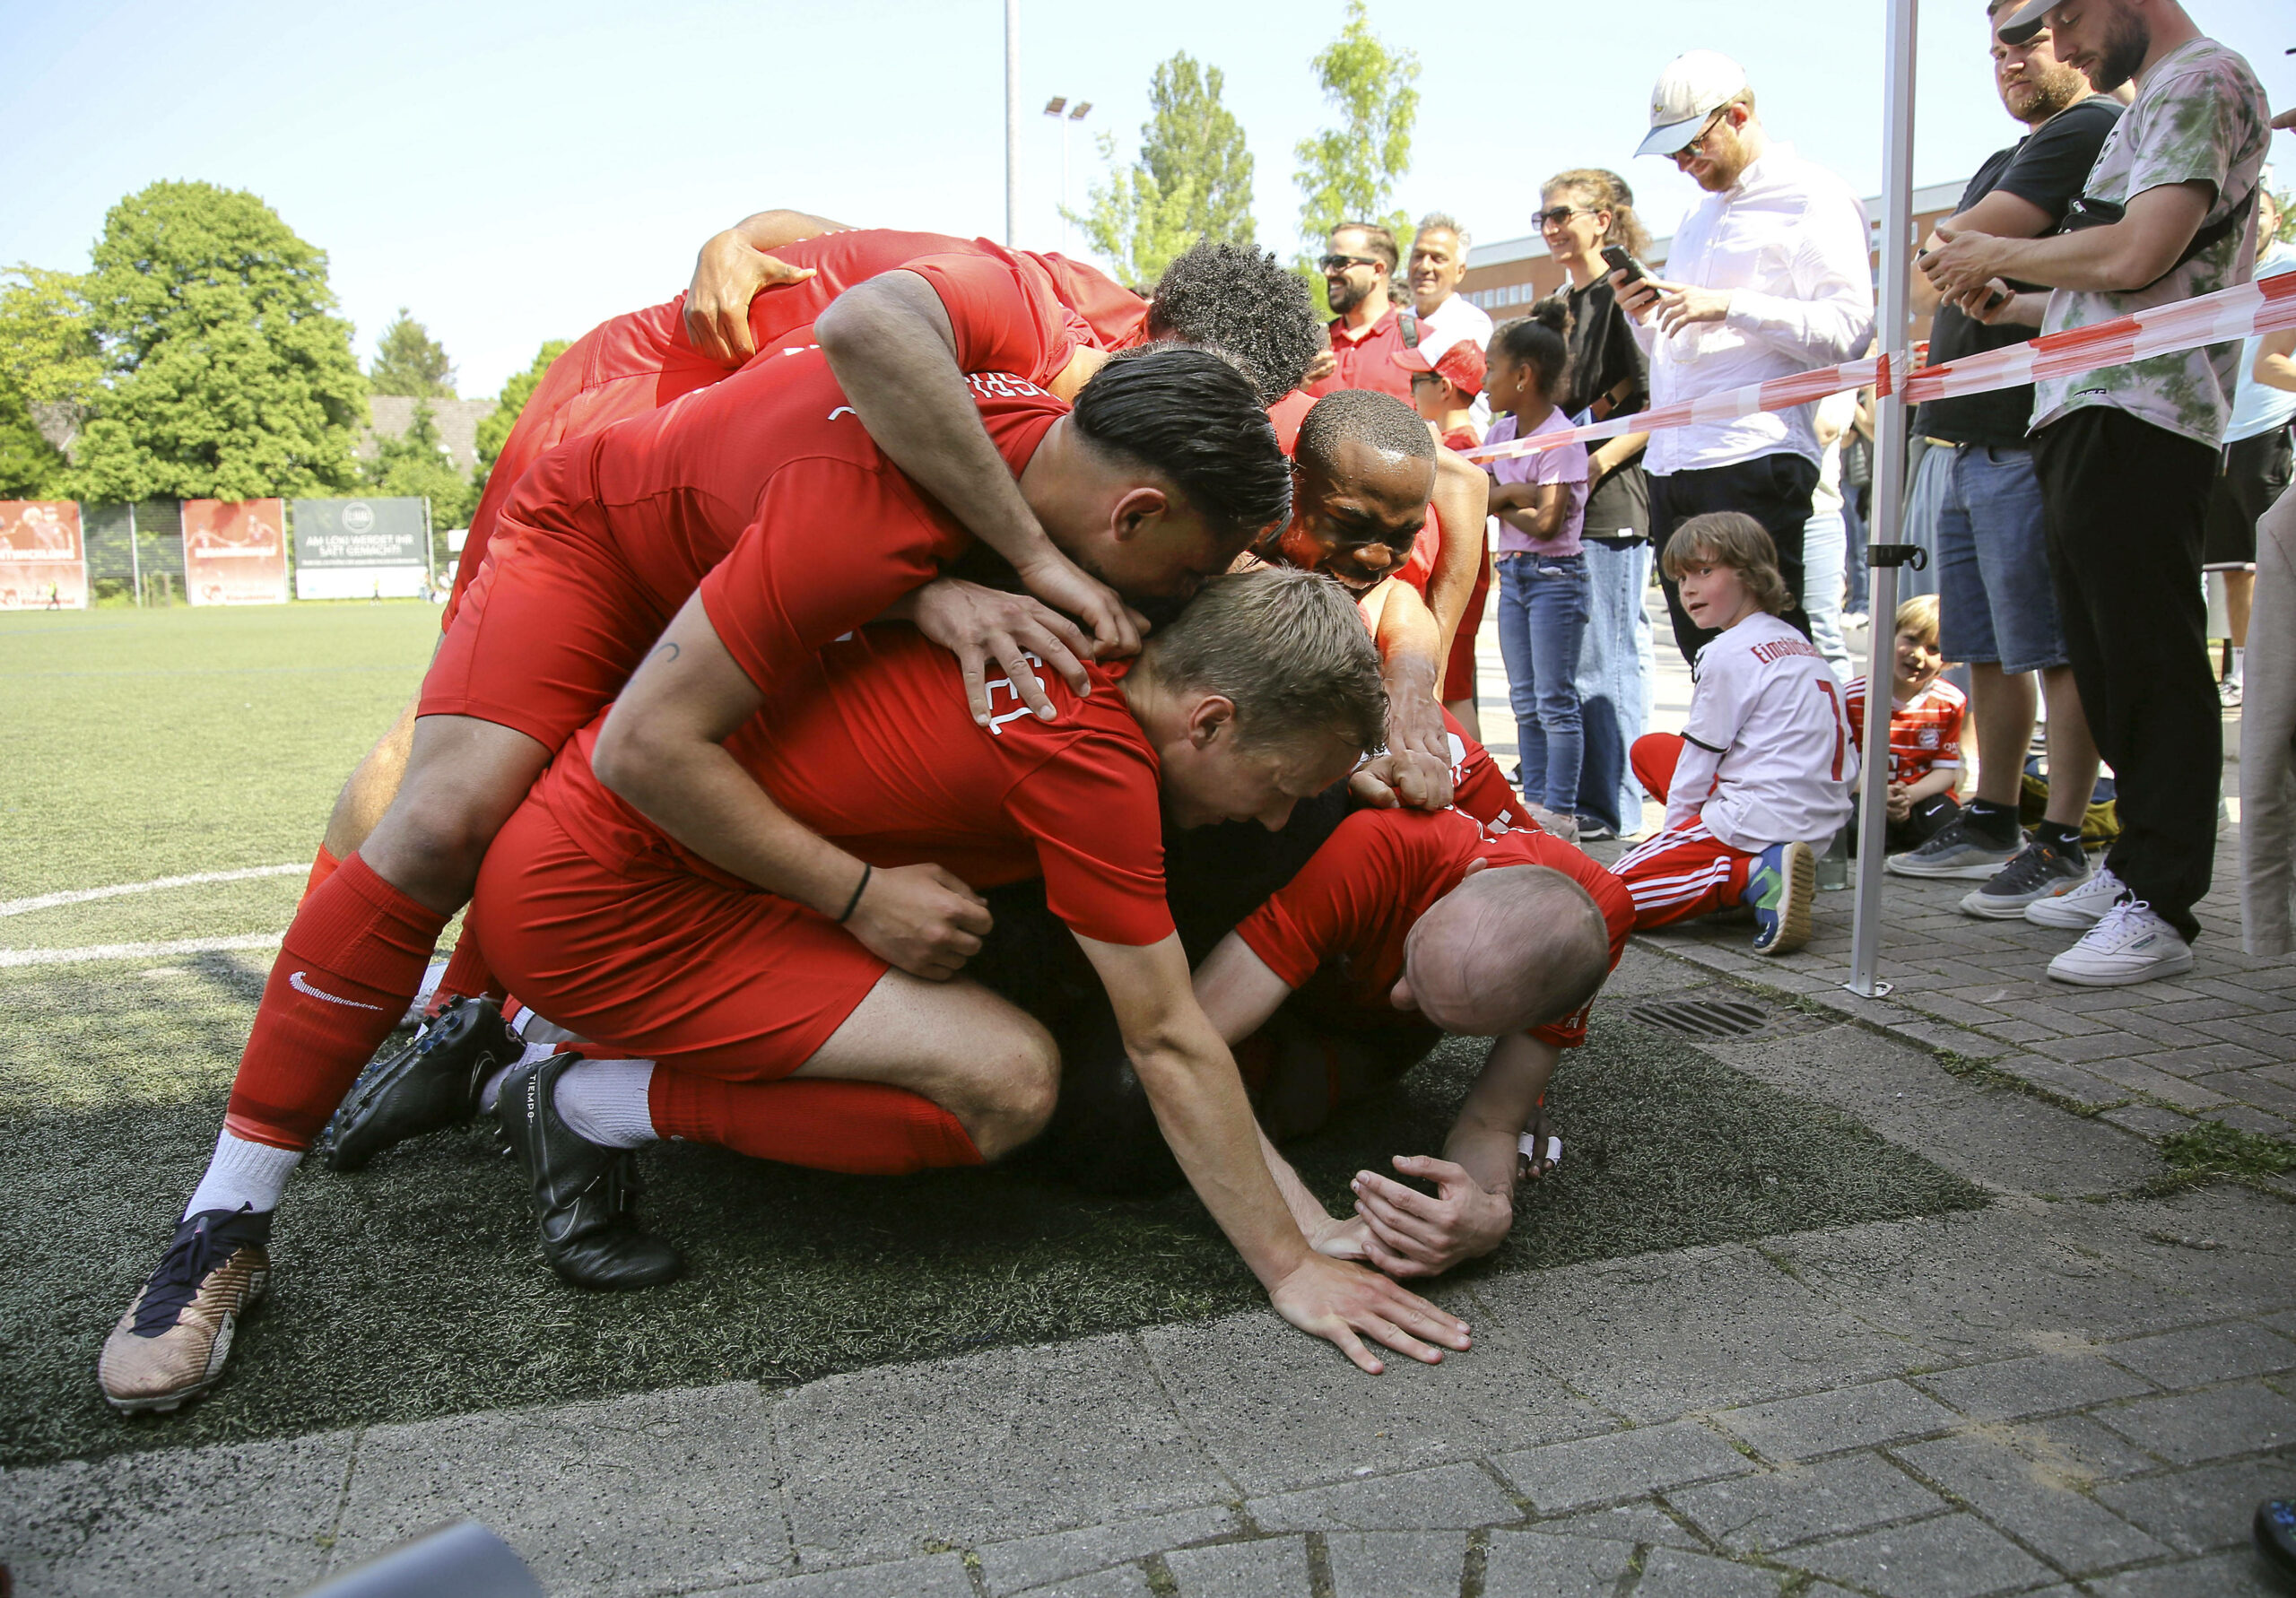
[(1890, 431), (1011, 124), (1064, 185), (134, 556)]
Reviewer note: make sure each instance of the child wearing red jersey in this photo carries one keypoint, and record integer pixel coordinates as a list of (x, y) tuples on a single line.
[(1444, 391), (1926, 714), (1764, 764)]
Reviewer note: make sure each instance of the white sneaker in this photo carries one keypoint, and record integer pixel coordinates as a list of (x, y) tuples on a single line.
[(2130, 944), (2084, 907)]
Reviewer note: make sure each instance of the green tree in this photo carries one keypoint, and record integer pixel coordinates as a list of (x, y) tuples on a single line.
[(1192, 180), (495, 427), (228, 375), (417, 465), (408, 360), (48, 359), (1349, 172)]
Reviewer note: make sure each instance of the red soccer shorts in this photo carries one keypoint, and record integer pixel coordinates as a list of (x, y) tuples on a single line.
[(1676, 874), (1458, 671), (660, 964), (547, 633)]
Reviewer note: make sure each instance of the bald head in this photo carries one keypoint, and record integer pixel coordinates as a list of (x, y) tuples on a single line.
[(1509, 949)]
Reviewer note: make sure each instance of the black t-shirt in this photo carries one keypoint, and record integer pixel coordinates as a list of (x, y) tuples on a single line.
[(1602, 353), (2048, 167)]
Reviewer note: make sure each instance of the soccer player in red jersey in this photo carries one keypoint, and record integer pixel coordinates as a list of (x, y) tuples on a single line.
[(1164, 471), (625, 900)]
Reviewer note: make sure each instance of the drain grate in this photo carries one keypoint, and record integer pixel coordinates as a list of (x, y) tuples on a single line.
[(1704, 1017)]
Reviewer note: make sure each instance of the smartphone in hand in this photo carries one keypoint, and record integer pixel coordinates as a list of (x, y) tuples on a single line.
[(1615, 257)]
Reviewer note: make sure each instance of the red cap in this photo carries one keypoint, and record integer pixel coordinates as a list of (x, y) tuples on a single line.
[(1462, 364)]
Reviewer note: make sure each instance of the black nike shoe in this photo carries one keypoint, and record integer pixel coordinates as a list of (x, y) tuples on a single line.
[(585, 1197), (428, 1086)]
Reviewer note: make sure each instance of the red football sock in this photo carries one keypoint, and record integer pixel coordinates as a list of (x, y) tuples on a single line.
[(864, 1128), (323, 866), (467, 975), (347, 970)]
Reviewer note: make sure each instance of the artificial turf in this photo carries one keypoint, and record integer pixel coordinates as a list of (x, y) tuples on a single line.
[(414, 1289)]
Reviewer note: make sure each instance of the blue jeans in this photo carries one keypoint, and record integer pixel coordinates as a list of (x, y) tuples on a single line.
[(1542, 605), (1996, 603), (1853, 562), (1614, 672)]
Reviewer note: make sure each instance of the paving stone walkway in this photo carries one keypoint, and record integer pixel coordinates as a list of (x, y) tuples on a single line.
[(2084, 1387)]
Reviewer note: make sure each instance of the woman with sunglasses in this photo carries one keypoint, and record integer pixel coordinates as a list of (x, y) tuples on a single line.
[(1584, 210)]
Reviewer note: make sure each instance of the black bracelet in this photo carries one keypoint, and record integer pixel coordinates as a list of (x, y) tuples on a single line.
[(854, 903)]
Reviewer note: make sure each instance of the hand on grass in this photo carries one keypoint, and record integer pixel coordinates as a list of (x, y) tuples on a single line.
[(922, 918), (1412, 1234), (980, 625), (1344, 1303)]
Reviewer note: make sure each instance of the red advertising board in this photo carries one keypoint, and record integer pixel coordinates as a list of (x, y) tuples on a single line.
[(234, 551), (43, 564)]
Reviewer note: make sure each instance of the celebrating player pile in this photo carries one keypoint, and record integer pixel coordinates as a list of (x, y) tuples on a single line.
[(741, 720)]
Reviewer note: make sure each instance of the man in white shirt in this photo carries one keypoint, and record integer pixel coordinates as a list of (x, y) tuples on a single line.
[(1771, 275), (1438, 260)]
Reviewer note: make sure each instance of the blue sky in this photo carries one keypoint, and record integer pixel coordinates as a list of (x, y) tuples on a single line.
[(515, 171)]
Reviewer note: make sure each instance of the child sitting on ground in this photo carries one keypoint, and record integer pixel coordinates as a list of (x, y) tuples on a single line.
[(1926, 714), (1764, 764)]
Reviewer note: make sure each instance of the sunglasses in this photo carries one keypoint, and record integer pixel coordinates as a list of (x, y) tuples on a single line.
[(1697, 147), (1558, 214), (1342, 263)]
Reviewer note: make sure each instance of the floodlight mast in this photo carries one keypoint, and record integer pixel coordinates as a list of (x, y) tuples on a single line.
[(1054, 108), (1012, 122)]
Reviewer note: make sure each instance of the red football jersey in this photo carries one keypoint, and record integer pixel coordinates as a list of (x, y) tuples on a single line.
[(1358, 898), (872, 744)]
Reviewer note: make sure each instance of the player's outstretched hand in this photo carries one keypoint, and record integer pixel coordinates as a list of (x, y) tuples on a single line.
[(982, 627), (728, 274), (1061, 584), (1344, 1304), (1411, 1234), (922, 918)]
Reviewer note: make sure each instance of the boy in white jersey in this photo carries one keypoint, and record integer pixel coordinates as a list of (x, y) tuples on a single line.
[(1763, 766)]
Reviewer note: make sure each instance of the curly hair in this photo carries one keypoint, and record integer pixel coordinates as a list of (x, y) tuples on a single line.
[(1238, 300), (1380, 420), (1734, 539)]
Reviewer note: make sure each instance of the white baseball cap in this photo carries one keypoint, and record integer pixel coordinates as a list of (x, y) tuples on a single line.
[(1686, 94)]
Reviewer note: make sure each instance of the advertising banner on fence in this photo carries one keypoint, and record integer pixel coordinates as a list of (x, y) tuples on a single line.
[(234, 551), (43, 562), (362, 549)]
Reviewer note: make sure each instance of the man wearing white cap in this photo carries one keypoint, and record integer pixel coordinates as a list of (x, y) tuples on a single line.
[(2127, 454), (1769, 275)]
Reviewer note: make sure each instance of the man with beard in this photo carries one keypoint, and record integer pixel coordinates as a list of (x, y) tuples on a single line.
[(1996, 610), (2127, 455), (1366, 328), (1767, 277)]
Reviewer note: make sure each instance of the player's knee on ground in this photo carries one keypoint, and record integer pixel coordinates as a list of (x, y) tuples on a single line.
[(1506, 951), (1013, 1094)]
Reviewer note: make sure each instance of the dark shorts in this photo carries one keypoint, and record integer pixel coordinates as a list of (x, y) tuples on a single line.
[(2255, 472)]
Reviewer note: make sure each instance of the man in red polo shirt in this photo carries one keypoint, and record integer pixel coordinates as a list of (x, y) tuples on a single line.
[(1366, 328), (1165, 470), (624, 899)]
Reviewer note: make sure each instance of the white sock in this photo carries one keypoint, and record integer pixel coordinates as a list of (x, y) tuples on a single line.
[(2240, 662), (491, 1091), (603, 1102), (243, 1173)]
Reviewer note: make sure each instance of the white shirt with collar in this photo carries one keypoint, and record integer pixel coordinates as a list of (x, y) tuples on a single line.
[(1789, 244), (1455, 319)]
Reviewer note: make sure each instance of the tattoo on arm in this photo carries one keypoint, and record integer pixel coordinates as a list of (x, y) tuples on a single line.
[(667, 651)]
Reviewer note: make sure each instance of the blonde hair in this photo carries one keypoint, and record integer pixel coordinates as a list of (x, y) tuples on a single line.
[(1287, 647), (1608, 192), (1917, 617), (1734, 539)]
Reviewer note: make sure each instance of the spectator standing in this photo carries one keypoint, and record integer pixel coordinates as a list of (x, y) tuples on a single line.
[(1366, 329), (2127, 455), (1445, 392), (1856, 509), (1997, 611), (1439, 261), (1540, 501), (1585, 210), (1770, 274), (2256, 456), (1825, 536)]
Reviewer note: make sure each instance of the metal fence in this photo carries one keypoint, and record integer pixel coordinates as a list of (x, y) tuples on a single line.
[(135, 549)]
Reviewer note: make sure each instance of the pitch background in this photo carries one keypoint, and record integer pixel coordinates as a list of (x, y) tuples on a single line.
[(139, 746)]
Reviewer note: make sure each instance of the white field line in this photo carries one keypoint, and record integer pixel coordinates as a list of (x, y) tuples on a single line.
[(81, 895), (103, 952)]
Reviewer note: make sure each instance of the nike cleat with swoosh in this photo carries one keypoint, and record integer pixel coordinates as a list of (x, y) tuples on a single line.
[(170, 1345)]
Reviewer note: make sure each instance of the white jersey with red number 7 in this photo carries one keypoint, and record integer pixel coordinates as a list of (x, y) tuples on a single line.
[(1766, 704)]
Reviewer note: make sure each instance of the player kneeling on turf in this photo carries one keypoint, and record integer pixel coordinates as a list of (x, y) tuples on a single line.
[(623, 901), (1764, 765)]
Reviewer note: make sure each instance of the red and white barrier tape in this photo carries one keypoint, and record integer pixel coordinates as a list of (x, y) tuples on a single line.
[(2265, 305)]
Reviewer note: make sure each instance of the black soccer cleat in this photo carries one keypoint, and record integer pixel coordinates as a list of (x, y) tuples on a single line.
[(428, 1086), (585, 1197)]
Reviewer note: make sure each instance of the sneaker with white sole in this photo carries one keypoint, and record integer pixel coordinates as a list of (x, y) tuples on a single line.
[(1780, 888), (2041, 870), (1959, 849), (2081, 908), (2128, 945)]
